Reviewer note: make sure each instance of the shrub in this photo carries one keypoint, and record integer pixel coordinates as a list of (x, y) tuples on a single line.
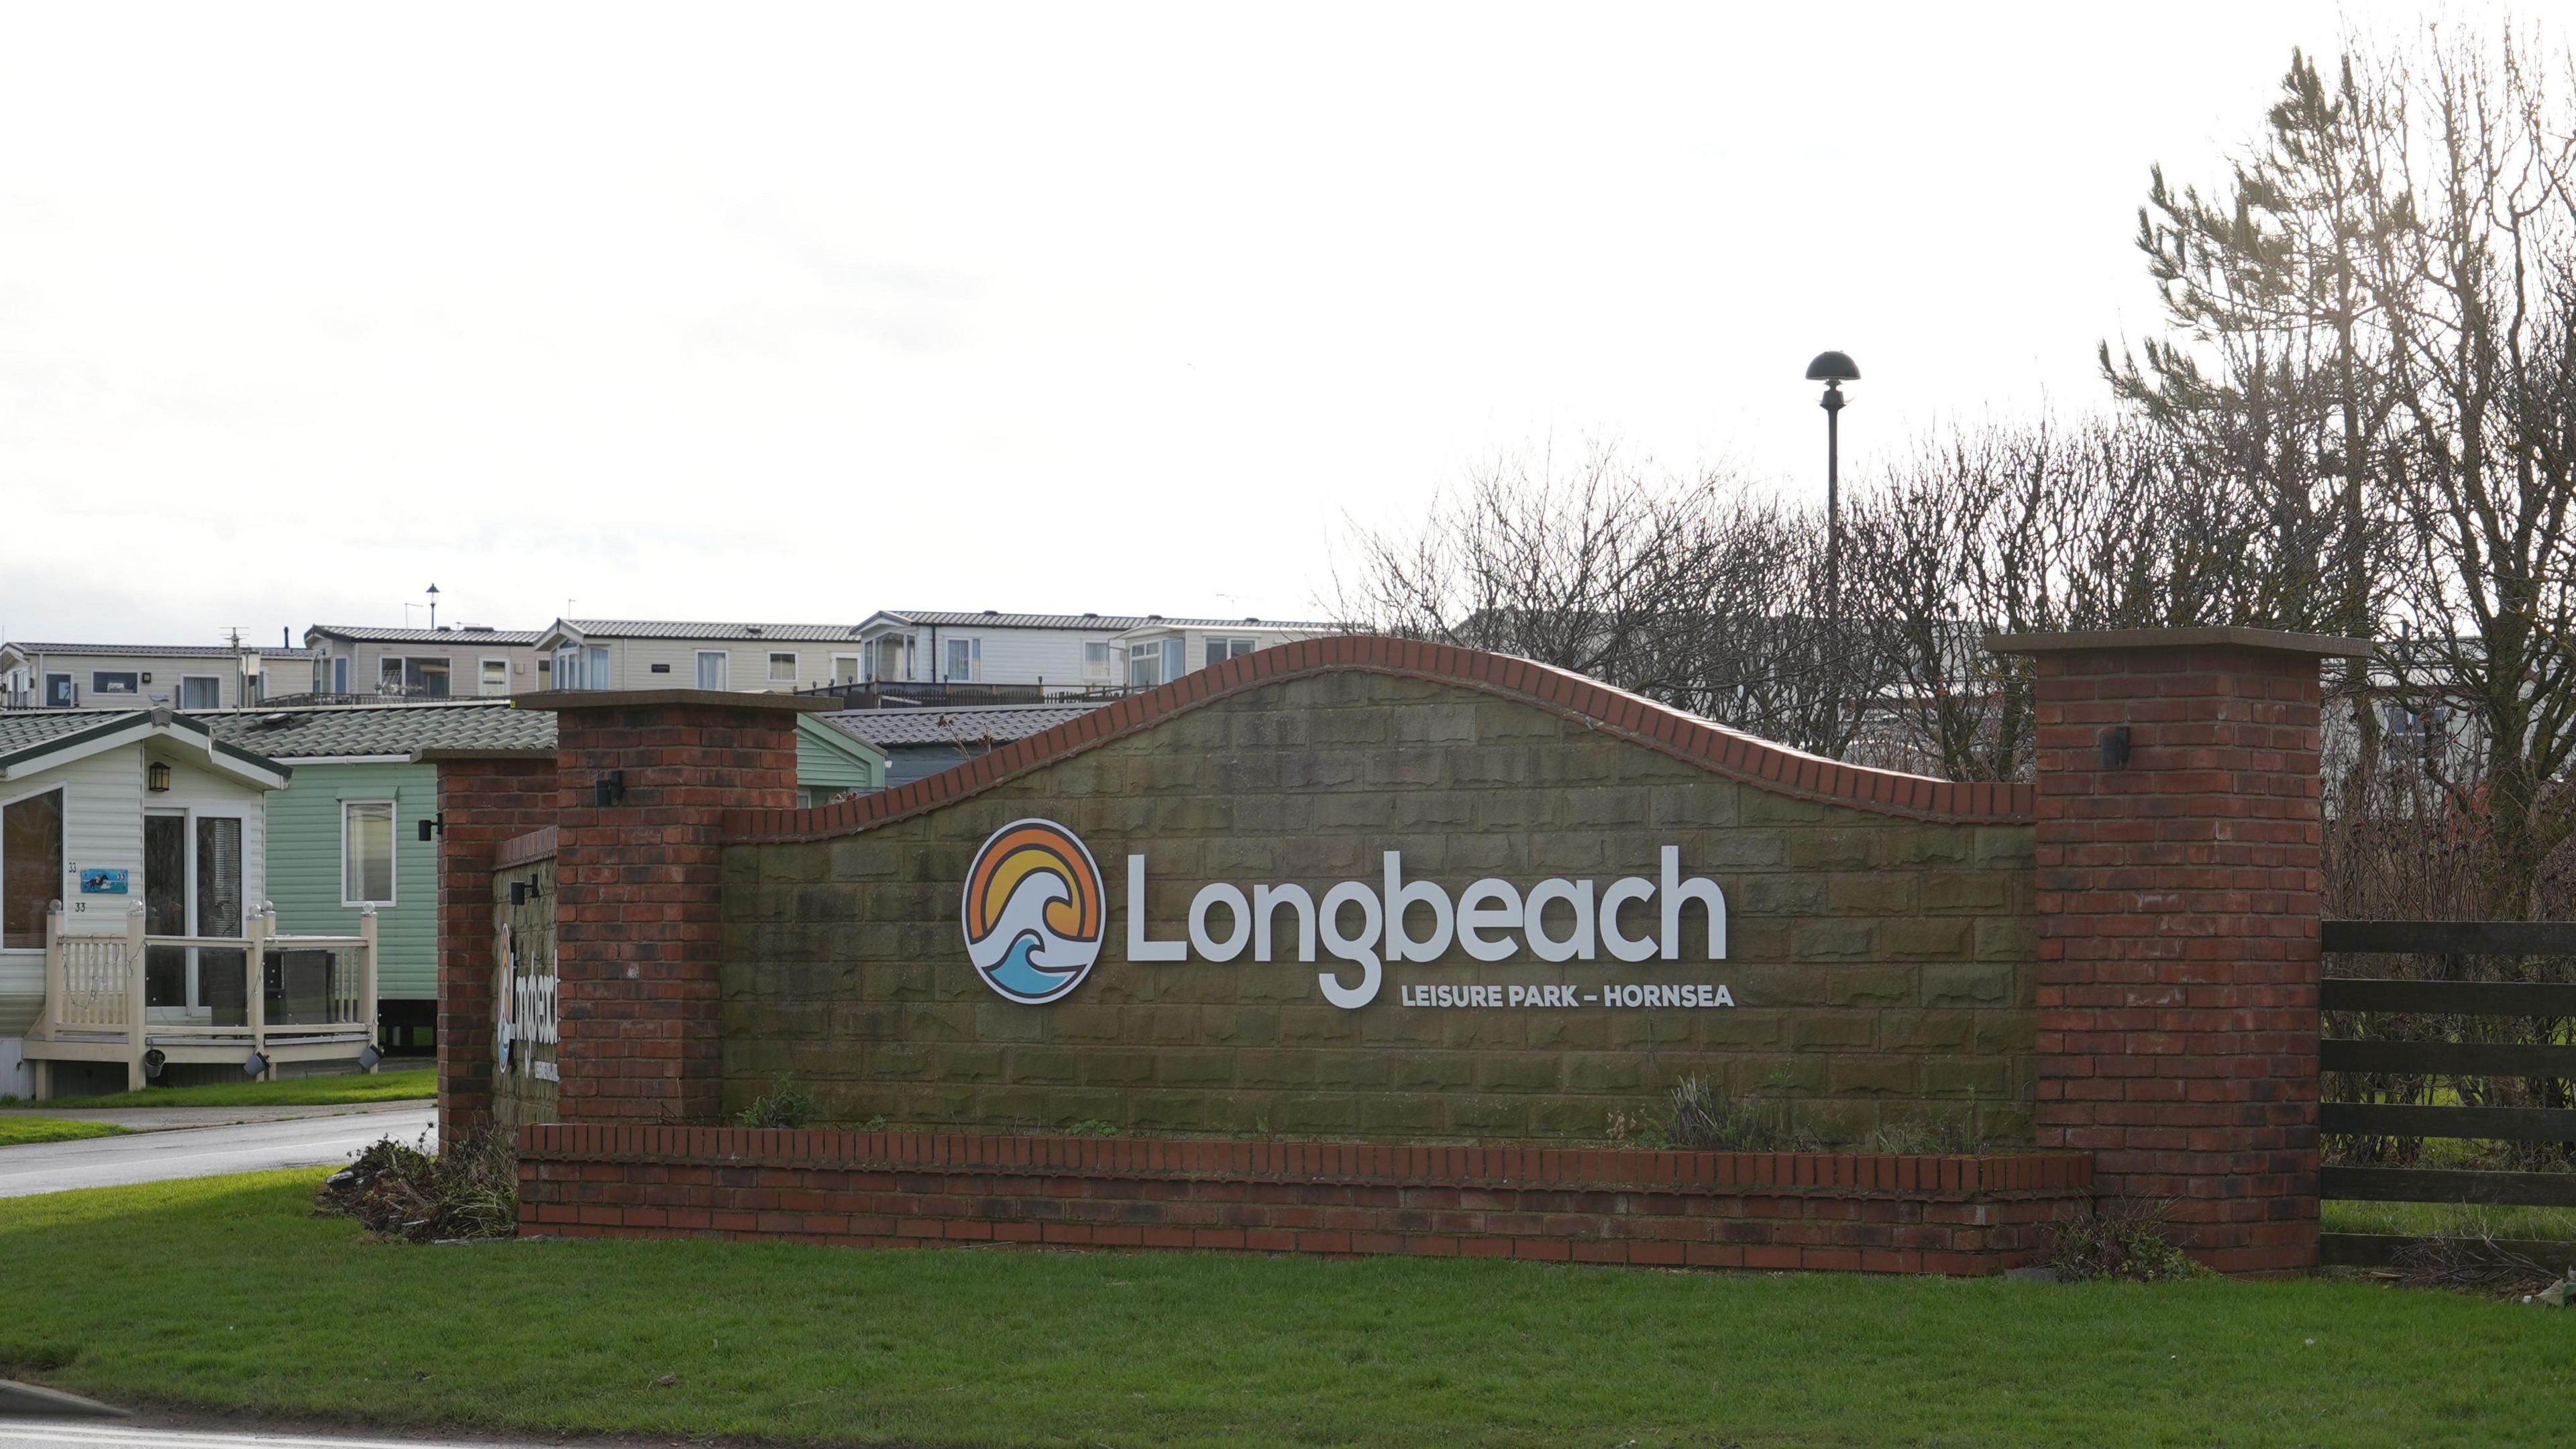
[(1697, 1118), (396, 1191), (785, 1104), (2123, 1238)]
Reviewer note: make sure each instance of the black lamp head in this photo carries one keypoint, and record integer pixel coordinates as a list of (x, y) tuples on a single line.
[(1833, 367)]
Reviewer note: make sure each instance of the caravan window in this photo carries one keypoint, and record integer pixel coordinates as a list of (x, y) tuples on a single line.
[(31, 867), (367, 852)]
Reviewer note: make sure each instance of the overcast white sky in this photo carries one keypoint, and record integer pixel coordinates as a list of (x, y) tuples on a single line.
[(748, 312)]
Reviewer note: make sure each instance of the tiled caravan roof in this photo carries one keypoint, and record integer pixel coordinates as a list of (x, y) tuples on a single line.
[(1705, 743), (327, 731), (20, 728), (999, 723), (671, 629), (1118, 623), (451, 635), (160, 651), (36, 733)]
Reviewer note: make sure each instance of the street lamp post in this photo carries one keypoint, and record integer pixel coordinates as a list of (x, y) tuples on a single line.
[(1833, 369), (433, 606)]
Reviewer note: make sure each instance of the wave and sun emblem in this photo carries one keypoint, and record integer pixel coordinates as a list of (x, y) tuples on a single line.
[(1033, 911)]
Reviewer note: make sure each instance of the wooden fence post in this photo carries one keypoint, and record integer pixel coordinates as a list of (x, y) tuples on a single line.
[(52, 1016), (255, 988), (135, 1043), (367, 975)]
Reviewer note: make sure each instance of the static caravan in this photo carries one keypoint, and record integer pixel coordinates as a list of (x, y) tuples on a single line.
[(136, 939)]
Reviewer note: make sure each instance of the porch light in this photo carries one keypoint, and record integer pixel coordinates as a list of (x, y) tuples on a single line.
[(157, 777), (609, 788), (254, 1064)]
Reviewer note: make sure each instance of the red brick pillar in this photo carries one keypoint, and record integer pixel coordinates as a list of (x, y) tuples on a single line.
[(484, 798), (638, 882), (2178, 908)]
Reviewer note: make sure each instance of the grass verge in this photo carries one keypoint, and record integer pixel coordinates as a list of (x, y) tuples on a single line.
[(300, 1092), (19, 1131), (222, 1293)]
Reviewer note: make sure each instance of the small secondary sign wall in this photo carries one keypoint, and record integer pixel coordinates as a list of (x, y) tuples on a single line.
[(1876, 971)]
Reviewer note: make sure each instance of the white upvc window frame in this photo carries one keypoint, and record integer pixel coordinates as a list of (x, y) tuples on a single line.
[(482, 676), (858, 674), (795, 662), (98, 690), (1097, 670), (393, 853), (724, 669), (973, 645), (185, 680)]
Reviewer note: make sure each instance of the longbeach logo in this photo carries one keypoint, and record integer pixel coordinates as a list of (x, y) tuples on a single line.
[(1033, 911), (1481, 921)]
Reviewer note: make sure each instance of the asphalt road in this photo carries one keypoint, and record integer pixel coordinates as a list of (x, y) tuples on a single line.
[(204, 1152)]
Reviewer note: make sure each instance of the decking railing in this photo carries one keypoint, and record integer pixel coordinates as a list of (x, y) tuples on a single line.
[(295, 1005)]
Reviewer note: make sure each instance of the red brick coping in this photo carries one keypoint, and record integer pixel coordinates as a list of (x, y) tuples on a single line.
[(519, 850), (1659, 727), (1969, 1214)]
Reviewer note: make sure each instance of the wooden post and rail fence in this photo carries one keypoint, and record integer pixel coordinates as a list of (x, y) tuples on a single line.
[(2464, 999)]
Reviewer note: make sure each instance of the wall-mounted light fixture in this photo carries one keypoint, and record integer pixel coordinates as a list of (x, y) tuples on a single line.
[(435, 825), (610, 788), (156, 776), (2115, 748)]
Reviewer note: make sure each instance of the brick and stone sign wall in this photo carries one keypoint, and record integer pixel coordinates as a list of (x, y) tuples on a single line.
[(1876, 968), (1365, 945)]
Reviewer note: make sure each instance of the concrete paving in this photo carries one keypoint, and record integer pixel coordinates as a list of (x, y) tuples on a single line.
[(313, 1141)]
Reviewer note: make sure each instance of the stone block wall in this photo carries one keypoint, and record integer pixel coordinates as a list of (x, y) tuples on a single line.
[(1880, 959)]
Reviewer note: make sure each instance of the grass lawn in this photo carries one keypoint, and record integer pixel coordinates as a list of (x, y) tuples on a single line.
[(220, 1292), (18, 1131), (2451, 1220), (302, 1092)]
